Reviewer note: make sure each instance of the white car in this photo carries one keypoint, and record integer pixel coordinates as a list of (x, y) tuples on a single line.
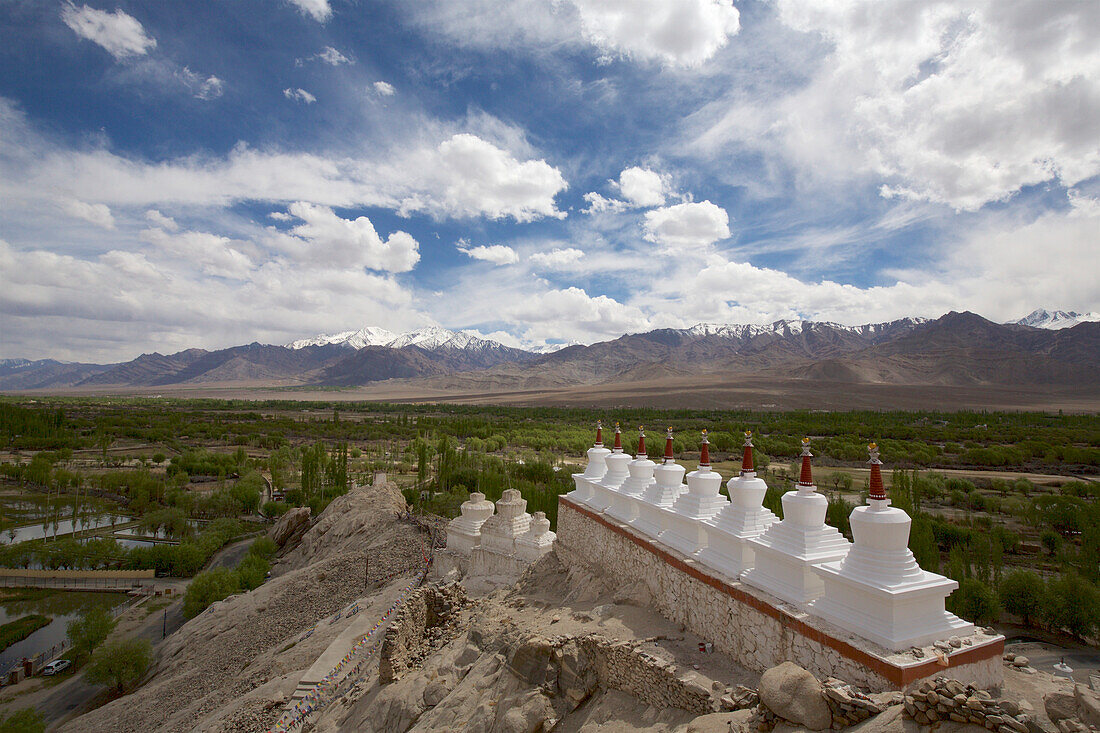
[(58, 665)]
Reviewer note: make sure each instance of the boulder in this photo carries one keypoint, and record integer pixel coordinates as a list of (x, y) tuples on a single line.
[(291, 526), (1088, 705), (794, 694), (1059, 706)]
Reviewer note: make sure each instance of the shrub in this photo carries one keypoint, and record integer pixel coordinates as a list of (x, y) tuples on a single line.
[(263, 547), (252, 571), (207, 587), (1073, 604), (975, 601), (26, 720), (120, 663), (90, 630), (1022, 593)]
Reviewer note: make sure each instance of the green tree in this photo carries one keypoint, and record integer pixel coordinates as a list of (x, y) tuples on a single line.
[(1072, 604), (252, 571), (120, 663), (90, 630), (975, 601), (1052, 541), (1022, 593), (922, 542), (207, 587), (26, 720)]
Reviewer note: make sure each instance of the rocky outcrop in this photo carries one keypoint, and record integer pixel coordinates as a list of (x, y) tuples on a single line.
[(941, 700), (428, 620), (290, 527), (1073, 711), (795, 695)]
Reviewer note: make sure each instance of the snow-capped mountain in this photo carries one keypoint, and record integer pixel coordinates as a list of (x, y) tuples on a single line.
[(742, 330), (369, 336), (1054, 320), (429, 338)]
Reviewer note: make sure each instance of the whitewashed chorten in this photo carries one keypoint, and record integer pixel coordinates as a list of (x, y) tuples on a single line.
[(624, 505), (604, 490), (683, 525), (666, 487), (499, 532), (537, 540), (878, 591), (594, 471), (728, 532), (464, 531), (788, 550)]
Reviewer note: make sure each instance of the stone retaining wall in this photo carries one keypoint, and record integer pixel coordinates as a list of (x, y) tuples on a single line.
[(427, 620), (757, 630)]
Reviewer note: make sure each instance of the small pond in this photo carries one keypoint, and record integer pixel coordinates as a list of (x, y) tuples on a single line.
[(61, 606)]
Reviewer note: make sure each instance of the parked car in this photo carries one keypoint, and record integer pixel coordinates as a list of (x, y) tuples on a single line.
[(58, 665)]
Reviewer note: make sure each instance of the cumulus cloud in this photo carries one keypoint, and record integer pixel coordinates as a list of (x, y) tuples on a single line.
[(299, 95), (599, 204), (687, 226), (327, 55), (642, 187), (556, 259), (573, 313), (98, 214), (679, 33), (319, 10), (121, 35), (674, 32), (201, 86), (351, 242), (213, 254), (383, 89), (161, 221), (498, 254), (954, 104)]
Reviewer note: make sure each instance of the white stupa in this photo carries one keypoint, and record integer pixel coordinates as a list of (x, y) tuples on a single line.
[(537, 540), (594, 471), (511, 520), (878, 591), (728, 532), (668, 484), (604, 490), (788, 550), (624, 505), (682, 525), (464, 531)]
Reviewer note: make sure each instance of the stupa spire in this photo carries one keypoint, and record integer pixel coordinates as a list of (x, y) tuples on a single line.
[(599, 434), (878, 490), (641, 441), (704, 453), (806, 478), (668, 447), (618, 447), (746, 456)]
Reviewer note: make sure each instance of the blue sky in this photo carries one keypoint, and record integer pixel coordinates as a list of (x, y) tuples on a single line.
[(213, 173)]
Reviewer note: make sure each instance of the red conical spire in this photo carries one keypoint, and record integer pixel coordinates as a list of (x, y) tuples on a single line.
[(641, 442), (618, 447), (746, 457), (878, 490), (668, 447), (807, 476), (599, 434), (704, 454)]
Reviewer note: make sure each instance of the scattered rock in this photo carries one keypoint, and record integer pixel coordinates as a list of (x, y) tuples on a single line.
[(1021, 661), (794, 694), (1088, 705), (1059, 706)]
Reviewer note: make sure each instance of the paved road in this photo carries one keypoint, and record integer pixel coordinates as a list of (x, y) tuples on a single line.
[(230, 555), (1044, 656)]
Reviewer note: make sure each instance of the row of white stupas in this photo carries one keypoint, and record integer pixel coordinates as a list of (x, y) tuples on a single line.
[(504, 528), (872, 588)]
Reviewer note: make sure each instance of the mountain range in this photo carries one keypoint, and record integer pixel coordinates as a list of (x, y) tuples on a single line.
[(956, 349)]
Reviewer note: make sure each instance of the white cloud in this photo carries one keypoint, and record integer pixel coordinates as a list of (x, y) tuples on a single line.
[(498, 254), (98, 214), (299, 95), (384, 89), (573, 313), (687, 226), (319, 10), (201, 86), (682, 33), (598, 204), (332, 57), (161, 221), (350, 242), (674, 32), (215, 255), (462, 176), (120, 34), (954, 104), (643, 187), (556, 259)]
